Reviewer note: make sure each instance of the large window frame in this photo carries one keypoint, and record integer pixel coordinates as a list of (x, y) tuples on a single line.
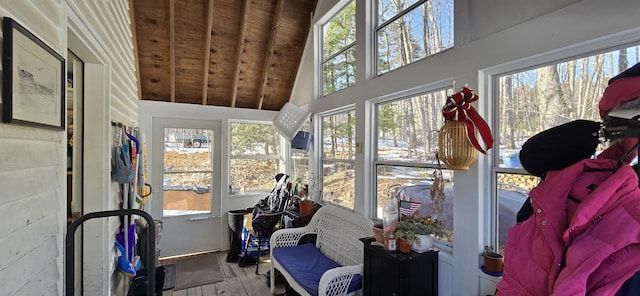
[(266, 180), (335, 53), (503, 164), (299, 164), (342, 162), (415, 158), (437, 24)]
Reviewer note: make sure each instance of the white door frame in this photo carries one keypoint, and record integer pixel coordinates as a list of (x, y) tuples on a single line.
[(97, 242), (172, 245)]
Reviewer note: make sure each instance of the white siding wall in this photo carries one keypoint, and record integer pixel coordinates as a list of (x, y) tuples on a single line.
[(109, 23), (33, 160), (33, 181)]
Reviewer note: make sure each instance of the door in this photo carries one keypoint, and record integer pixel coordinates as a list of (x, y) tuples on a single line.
[(75, 152), (187, 153)]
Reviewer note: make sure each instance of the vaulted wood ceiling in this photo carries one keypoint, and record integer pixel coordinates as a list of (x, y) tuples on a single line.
[(234, 53)]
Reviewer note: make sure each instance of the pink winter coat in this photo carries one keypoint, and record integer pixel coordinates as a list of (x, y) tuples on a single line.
[(585, 244)]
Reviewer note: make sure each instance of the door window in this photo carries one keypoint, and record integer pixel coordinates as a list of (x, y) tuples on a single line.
[(187, 171)]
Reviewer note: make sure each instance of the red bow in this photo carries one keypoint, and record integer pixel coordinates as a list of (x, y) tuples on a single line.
[(458, 108)]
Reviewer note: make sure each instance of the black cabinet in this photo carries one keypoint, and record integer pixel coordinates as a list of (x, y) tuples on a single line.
[(395, 273)]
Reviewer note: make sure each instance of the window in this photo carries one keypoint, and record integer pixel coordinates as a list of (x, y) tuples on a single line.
[(535, 100), (409, 30), (338, 158), (407, 131), (300, 161), (339, 50), (188, 171), (256, 158)]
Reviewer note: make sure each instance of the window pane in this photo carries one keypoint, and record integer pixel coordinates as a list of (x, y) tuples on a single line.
[(340, 31), (339, 50), (254, 139), (186, 159), (339, 72), (339, 136), (300, 167), (255, 158), (425, 30), (536, 100), (390, 8), (412, 183), (253, 176), (513, 191), (187, 171), (408, 128), (338, 183), (186, 193)]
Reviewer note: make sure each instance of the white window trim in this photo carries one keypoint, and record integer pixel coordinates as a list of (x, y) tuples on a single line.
[(405, 94), (319, 158), (488, 85), (376, 27), (284, 151), (318, 79)]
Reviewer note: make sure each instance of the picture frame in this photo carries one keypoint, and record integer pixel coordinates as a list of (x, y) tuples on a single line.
[(33, 79)]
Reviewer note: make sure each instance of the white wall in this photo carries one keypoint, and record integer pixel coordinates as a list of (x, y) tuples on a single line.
[(33, 160), (488, 35)]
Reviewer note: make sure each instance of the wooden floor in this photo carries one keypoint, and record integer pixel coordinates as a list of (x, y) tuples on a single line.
[(241, 281)]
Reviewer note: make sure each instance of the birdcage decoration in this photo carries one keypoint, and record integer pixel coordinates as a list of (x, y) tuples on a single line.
[(458, 145)]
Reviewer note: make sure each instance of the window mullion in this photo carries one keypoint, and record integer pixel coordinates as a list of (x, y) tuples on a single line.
[(401, 14), (339, 52)]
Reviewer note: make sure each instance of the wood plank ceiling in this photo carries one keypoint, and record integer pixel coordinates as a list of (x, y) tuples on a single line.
[(233, 53)]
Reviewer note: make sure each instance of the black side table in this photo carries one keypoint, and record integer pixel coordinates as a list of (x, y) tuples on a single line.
[(395, 273)]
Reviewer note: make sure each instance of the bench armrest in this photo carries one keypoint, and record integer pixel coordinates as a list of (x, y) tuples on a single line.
[(288, 237), (336, 281)]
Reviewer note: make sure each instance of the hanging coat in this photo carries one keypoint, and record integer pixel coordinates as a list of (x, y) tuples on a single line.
[(583, 237)]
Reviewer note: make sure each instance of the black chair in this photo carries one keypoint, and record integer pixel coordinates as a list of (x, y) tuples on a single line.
[(267, 214)]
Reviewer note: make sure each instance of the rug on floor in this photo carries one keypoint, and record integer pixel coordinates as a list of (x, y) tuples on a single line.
[(197, 270)]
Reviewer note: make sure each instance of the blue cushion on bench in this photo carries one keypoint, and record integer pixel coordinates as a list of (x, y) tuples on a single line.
[(307, 265)]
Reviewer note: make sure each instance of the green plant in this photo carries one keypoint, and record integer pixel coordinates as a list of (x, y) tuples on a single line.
[(410, 226)]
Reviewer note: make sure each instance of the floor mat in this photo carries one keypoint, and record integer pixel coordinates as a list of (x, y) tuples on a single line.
[(197, 270)]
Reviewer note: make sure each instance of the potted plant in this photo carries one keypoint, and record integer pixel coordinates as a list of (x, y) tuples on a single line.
[(416, 231), (492, 261)]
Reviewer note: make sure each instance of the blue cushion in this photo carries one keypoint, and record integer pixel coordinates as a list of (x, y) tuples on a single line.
[(307, 265)]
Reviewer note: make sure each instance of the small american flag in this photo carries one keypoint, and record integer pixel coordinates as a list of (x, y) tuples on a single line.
[(407, 208)]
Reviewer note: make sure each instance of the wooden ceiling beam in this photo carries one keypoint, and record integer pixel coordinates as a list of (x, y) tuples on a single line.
[(134, 39), (172, 49), (304, 43), (241, 37), (207, 53), (268, 59)]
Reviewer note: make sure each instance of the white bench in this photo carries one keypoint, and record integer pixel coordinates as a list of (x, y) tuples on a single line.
[(333, 266)]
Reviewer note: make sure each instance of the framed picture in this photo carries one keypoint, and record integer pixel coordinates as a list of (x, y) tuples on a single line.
[(32, 79)]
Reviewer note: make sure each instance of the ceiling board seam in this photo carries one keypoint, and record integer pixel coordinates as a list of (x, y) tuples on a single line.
[(172, 49), (207, 53), (243, 32), (269, 55)]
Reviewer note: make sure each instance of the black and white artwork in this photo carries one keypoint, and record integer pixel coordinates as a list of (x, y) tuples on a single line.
[(33, 79)]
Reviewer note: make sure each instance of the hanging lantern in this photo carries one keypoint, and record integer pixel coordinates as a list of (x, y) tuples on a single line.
[(458, 145), (454, 149)]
